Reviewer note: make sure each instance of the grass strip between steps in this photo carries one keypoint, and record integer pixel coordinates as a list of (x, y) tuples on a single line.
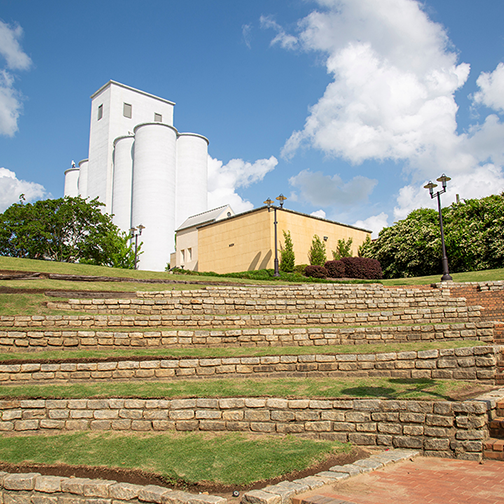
[(288, 387), (213, 352), (231, 458), (16, 264)]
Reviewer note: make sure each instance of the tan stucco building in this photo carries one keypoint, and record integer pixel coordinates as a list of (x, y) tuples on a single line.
[(246, 241)]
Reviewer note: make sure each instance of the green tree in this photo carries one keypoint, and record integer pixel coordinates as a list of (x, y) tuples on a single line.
[(287, 257), (317, 254), (474, 238), (65, 229), (474, 233), (411, 247), (343, 249)]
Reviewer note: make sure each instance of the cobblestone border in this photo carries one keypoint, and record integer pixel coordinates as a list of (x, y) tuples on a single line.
[(33, 488), (283, 492)]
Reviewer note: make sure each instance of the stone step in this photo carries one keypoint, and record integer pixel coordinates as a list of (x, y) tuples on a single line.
[(470, 363), (36, 339), (234, 305), (496, 427), (494, 449), (437, 315)]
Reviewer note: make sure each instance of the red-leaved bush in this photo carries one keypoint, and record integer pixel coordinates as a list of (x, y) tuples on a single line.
[(315, 271), (361, 267), (335, 269)]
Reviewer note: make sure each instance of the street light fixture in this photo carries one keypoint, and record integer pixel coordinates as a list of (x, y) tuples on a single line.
[(443, 179), (135, 233), (270, 202)]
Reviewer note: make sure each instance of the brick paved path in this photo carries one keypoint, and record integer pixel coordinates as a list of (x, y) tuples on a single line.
[(421, 480)]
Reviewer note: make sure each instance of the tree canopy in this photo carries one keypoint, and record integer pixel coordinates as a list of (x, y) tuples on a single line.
[(474, 238), (65, 229)]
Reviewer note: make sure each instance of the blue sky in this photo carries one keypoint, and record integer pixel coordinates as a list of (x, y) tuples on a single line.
[(347, 107)]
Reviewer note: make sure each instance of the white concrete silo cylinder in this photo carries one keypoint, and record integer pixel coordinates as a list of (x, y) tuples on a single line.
[(122, 182), (72, 182), (192, 176), (83, 178), (154, 181)]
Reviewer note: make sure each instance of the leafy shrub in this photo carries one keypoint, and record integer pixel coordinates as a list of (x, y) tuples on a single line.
[(315, 271), (362, 267), (317, 254), (300, 268), (343, 249), (335, 269), (287, 258)]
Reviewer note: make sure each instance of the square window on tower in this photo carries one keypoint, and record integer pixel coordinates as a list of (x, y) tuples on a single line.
[(158, 118), (127, 109)]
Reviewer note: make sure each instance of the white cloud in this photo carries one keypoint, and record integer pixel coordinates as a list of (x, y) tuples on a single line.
[(482, 181), (16, 59), (324, 190), (375, 223), (285, 40), (392, 97), (246, 29), (394, 80), (11, 188), (10, 48), (223, 180), (319, 213), (492, 88)]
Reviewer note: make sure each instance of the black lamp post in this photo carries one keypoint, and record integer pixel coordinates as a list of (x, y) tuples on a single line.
[(269, 202), (135, 233), (443, 179)]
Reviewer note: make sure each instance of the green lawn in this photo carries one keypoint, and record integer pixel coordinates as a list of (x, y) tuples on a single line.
[(323, 387), (234, 351), (11, 263), (233, 459), (469, 276)]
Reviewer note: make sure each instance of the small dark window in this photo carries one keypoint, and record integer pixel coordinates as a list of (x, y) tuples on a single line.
[(100, 111), (127, 110), (158, 118)]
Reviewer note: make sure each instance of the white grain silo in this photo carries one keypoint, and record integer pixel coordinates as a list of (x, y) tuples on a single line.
[(192, 176), (83, 178), (154, 179), (123, 180), (115, 111), (72, 181), (141, 168)]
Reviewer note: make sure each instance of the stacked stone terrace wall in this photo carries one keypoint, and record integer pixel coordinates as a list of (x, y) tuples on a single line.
[(33, 488), (440, 428), (231, 300), (451, 314), (17, 340), (471, 363)]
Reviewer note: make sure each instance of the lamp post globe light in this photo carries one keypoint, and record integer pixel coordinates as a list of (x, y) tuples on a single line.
[(135, 233), (443, 179), (270, 202)]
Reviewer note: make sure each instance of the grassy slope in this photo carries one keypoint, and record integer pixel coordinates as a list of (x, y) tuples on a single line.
[(10, 263), (323, 387), (229, 459)]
